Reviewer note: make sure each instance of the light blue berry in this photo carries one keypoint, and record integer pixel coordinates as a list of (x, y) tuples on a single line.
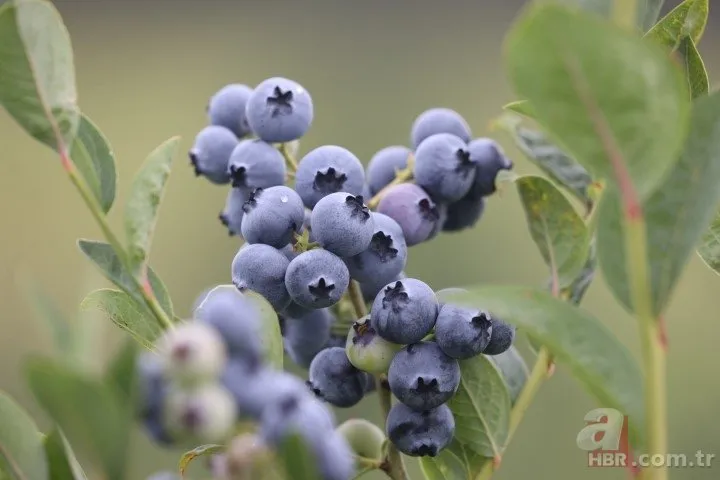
[(231, 216), (261, 268), (227, 108), (489, 159), (279, 110), (371, 288), (272, 216), (404, 311), (413, 209), (306, 335), (335, 380), (342, 224), (384, 164), (210, 153), (420, 434), (439, 120), (386, 255), (328, 169), (317, 279), (501, 339), (465, 213), (256, 164), (443, 167), (462, 332)]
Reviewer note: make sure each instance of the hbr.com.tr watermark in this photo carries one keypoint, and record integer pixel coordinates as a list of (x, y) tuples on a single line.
[(605, 438)]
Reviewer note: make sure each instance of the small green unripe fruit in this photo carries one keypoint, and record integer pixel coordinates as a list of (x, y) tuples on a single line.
[(367, 350), (247, 458), (365, 438), (205, 414)]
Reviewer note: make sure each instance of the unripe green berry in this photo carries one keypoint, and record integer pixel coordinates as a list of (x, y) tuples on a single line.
[(192, 353), (203, 414), (365, 438), (367, 350), (247, 458)]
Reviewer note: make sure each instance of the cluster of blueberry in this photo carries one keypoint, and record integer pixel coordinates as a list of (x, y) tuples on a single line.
[(311, 251)]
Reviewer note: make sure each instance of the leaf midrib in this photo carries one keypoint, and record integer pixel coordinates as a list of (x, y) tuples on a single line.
[(481, 417)]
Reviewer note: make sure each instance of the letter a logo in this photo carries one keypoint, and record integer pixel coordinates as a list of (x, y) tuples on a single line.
[(603, 431)]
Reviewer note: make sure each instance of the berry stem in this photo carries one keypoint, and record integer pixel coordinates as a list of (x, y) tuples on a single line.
[(401, 176), (356, 297), (290, 161)]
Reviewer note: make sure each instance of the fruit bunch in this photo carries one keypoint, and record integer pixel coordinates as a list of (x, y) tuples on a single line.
[(320, 253)]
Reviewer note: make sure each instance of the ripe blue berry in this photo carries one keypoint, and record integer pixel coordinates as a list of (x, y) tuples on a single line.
[(501, 339), (227, 108), (232, 214), (279, 110), (462, 332), (386, 255), (303, 416), (443, 167), (328, 169), (256, 164), (489, 159), (205, 414), (342, 224), (335, 458), (152, 391), (404, 311), (422, 377), (371, 288), (383, 166), (317, 279), (211, 152), (420, 434), (261, 268), (272, 216), (413, 209), (464, 213), (306, 335), (367, 350), (193, 352), (335, 380), (439, 120)]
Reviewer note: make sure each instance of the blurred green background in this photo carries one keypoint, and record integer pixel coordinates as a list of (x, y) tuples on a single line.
[(145, 71)]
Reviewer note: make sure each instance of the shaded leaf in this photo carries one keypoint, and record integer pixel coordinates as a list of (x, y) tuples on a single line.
[(270, 334), (445, 466), (121, 371), (49, 312), (695, 72), (626, 110), (125, 312), (514, 371), (61, 459), (522, 107), (92, 155), (21, 451), (297, 459), (144, 201), (648, 11), (574, 338), (709, 249), (37, 72), (89, 412), (556, 228), (676, 215), (687, 19), (576, 291), (199, 451)]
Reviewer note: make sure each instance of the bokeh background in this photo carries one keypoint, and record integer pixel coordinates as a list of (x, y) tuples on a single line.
[(145, 70)]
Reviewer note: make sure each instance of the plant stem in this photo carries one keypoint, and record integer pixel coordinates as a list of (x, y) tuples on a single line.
[(289, 159), (143, 287), (356, 297), (401, 176)]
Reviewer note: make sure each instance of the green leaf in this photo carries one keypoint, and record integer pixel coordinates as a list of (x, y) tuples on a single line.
[(21, 451), (709, 249), (297, 459), (522, 107), (445, 466), (200, 451), (37, 74), (695, 72), (481, 407), (626, 110), (687, 19), (144, 201), (557, 229), (92, 155), (125, 312), (576, 291), (676, 215), (61, 459), (49, 312), (122, 369), (514, 371), (88, 411), (574, 338), (104, 257), (648, 11)]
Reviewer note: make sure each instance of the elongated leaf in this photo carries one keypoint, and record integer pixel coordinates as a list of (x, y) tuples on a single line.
[(676, 215), (145, 196), (514, 371), (298, 460), (626, 110), (576, 291), (558, 231), (709, 249), (481, 407), (121, 373), (103, 256), (695, 72), (88, 411), (61, 459), (21, 450), (445, 466), (125, 312), (37, 72), (92, 155), (575, 339), (687, 19), (49, 312), (200, 451), (522, 107), (648, 11)]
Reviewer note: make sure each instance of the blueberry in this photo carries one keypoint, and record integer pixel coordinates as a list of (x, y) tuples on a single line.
[(413, 209), (296, 310), (383, 166), (261, 268), (279, 110), (328, 169), (342, 224), (317, 279), (272, 216), (335, 380), (227, 108), (365, 192), (304, 416), (306, 335), (371, 288), (501, 339), (386, 255), (307, 225), (211, 152), (232, 214), (422, 377), (420, 434), (335, 458), (464, 213), (489, 159), (237, 320), (193, 352), (204, 414), (443, 167), (256, 164), (365, 438), (254, 389), (439, 120), (367, 350), (462, 332), (152, 391), (404, 311)]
